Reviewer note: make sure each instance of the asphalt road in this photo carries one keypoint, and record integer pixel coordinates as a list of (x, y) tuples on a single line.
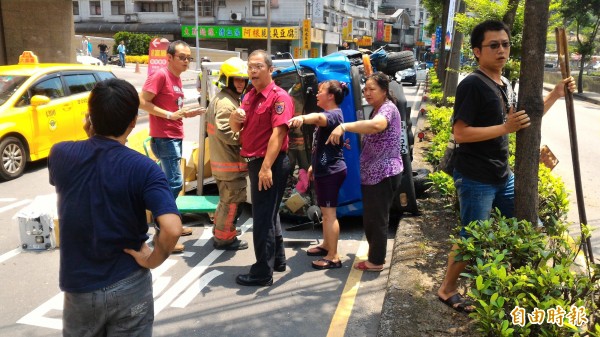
[(195, 292)]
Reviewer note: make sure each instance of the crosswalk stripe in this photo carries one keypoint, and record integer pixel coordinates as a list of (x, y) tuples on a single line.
[(14, 205)]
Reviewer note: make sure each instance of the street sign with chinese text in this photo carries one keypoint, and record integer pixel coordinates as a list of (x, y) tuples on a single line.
[(347, 29), (238, 32), (365, 41), (380, 28), (306, 34), (157, 55), (387, 33)]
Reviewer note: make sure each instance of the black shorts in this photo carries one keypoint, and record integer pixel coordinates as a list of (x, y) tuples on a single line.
[(327, 188)]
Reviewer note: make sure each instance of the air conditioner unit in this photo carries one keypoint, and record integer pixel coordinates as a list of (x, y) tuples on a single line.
[(131, 18), (236, 16)]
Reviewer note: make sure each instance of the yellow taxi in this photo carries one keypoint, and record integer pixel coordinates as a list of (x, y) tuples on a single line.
[(41, 104)]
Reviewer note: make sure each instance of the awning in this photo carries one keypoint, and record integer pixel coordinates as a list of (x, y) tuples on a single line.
[(108, 27)]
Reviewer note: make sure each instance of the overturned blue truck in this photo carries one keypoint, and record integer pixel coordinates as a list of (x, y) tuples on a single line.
[(301, 80)]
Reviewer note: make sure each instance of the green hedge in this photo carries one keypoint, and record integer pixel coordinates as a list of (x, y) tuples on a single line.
[(515, 267), (136, 44)]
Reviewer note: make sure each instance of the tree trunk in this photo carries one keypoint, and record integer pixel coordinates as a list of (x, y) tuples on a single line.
[(451, 81), (530, 99), (509, 16)]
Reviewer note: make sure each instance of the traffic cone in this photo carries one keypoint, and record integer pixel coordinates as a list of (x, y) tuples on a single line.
[(137, 67)]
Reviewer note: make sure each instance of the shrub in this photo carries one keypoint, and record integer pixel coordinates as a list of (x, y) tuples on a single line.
[(439, 119), (517, 270), (141, 59), (137, 44)]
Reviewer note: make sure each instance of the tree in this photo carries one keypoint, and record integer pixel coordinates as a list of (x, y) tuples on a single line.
[(531, 100), (584, 16)]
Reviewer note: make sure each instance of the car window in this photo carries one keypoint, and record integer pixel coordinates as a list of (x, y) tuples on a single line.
[(105, 75), (80, 83), (52, 88), (8, 85)]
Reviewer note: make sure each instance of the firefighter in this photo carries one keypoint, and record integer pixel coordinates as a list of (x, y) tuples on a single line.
[(228, 167)]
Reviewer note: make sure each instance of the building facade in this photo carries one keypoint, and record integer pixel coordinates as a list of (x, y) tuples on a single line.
[(241, 25)]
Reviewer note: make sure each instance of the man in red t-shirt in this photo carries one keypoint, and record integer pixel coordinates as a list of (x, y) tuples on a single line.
[(262, 122), (162, 97)]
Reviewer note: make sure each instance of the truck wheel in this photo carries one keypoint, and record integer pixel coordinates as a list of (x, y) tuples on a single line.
[(398, 61), (13, 157), (421, 182)]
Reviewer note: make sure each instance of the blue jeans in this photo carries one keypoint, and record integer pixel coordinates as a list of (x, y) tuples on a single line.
[(477, 199), (104, 57), (168, 151), (125, 308), (122, 59)]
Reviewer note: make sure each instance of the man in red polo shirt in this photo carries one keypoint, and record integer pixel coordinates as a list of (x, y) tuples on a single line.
[(262, 122)]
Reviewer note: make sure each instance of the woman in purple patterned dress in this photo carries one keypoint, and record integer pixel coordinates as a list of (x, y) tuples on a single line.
[(380, 165)]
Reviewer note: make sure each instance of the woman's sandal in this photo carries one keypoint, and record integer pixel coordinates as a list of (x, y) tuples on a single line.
[(317, 251), (363, 267)]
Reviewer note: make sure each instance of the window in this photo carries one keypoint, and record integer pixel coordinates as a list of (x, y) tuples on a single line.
[(222, 3), (95, 8), (205, 8), (156, 7), (104, 75), (80, 83), (259, 8), (186, 5), (75, 7), (117, 7), (51, 88)]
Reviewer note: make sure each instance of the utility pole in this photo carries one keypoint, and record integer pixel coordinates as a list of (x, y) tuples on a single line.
[(197, 35), (268, 26)]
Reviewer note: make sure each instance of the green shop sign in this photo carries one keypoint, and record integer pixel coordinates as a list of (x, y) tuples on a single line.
[(213, 32)]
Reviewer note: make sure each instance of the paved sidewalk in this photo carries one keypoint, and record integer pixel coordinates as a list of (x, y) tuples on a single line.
[(592, 97)]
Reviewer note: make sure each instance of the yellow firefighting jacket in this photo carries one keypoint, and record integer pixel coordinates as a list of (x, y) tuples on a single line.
[(225, 160)]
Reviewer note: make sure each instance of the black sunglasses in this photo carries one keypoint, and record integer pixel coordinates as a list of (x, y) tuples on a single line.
[(182, 57), (496, 45)]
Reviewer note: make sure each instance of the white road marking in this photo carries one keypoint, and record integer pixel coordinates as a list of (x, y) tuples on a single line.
[(171, 296), (10, 254), (159, 283), (187, 280), (203, 239), (36, 317), (15, 205), (195, 289), (7, 199)]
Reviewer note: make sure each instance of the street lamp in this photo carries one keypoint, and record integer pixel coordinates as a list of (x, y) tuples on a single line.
[(197, 35)]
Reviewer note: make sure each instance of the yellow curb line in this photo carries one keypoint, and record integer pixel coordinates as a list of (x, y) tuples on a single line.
[(337, 328)]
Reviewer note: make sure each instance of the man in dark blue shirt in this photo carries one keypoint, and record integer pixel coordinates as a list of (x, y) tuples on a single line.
[(103, 190)]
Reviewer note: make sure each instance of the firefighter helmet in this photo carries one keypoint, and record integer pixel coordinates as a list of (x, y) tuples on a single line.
[(233, 67)]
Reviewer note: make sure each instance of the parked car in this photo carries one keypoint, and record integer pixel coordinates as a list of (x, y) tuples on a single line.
[(407, 76), (88, 60), (41, 105)]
